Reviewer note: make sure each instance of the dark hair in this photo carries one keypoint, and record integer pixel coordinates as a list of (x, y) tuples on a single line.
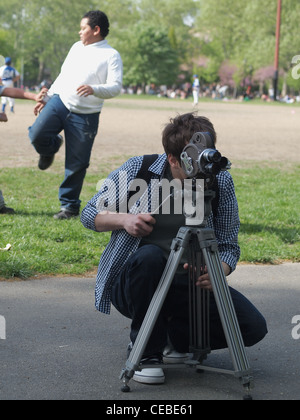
[(98, 18), (181, 129)]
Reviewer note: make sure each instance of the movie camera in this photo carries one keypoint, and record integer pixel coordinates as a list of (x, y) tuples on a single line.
[(201, 160)]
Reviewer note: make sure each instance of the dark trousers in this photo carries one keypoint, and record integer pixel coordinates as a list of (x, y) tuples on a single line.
[(80, 131), (133, 290)]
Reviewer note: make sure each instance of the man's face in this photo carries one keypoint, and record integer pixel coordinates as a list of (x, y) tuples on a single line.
[(176, 169), (87, 34)]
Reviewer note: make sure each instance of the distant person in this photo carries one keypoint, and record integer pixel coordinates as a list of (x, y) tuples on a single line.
[(8, 75), (12, 92), (196, 89), (91, 73)]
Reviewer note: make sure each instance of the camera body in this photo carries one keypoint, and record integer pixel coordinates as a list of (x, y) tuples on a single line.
[(201, 160)]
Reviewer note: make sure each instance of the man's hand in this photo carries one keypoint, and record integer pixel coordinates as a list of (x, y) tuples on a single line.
[(203, 281), (41, 99), (40, 96), (39, 106), (139, 225), (85, 90)]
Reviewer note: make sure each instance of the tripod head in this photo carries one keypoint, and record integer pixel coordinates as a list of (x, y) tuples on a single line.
[(201, 161)]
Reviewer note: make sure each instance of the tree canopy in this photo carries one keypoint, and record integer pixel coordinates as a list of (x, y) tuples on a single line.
[(160, 41)]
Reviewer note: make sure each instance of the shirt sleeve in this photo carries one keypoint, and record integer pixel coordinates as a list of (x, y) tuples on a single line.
[(227, 222), (113, 85), (113, 193)]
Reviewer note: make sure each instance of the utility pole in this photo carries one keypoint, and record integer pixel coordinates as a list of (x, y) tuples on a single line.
[(276, 65)]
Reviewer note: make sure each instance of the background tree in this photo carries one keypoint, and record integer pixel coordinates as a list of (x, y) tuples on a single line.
[(150, 57), (203, 34)]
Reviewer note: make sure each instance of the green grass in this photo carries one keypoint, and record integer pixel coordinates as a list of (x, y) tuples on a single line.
[(40, 244), (269, 203), (268, 198)]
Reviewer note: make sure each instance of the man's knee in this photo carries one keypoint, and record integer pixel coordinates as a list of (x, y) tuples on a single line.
[(150, 256), (34, 134), (257, 331)]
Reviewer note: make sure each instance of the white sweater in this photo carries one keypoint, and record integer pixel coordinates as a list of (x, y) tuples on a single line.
[(97, 65)]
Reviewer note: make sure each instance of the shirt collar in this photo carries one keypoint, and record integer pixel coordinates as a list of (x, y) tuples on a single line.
[(159, 165), (98, 44)]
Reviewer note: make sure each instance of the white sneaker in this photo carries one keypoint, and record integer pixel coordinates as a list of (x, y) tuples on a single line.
[(150, 376), (172, 356)]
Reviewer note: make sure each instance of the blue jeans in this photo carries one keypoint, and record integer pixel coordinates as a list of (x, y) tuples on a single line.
[(80, 131), (132, 292)]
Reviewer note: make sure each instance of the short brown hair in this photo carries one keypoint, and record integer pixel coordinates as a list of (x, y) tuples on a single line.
[(181, 129)]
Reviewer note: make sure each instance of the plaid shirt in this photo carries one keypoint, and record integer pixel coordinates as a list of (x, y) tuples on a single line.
[(122, 245)]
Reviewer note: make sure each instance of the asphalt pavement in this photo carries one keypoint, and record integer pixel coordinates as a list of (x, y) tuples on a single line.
[(54, 345)]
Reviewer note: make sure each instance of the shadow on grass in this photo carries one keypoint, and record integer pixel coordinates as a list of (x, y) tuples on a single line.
[(41, 213), (286, 234)]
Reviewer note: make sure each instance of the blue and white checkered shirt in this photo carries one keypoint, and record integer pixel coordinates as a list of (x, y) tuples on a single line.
[(121, 245)]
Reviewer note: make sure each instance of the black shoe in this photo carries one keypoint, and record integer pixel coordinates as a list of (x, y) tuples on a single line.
[(7, 210), (65, 214), (46, 161)]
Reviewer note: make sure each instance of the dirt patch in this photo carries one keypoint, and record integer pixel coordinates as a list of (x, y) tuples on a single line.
[(130, 127)]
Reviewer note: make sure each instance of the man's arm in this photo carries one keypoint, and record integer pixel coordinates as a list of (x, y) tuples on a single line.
[(113, 85), (103, 213), (21, 94), (137, 225), (227, 222), (226, 229)]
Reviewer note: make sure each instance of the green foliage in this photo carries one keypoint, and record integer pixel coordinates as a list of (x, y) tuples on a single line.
[(6, 43), (244, 32), (40, 35), (150, 58)]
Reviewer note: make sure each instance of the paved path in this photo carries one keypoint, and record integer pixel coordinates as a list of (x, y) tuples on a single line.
[(58, 347)]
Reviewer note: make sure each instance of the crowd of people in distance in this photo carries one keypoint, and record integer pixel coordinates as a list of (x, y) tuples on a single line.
[(215, 91)]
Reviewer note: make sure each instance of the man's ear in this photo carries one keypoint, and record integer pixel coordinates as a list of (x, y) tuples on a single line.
[(97, 30), (173, 161)]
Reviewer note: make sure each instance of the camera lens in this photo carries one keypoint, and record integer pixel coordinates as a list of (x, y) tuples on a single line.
[(211, 155)]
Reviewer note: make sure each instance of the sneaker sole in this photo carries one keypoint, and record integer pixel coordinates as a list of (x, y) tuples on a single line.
[(155, 377), (174, 360)]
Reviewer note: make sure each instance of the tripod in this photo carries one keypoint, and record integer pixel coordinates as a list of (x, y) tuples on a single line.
[(203, 250)]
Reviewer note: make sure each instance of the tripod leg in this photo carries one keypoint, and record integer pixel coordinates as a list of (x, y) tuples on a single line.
[(198, 307), (222, 295), (132, 364)]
